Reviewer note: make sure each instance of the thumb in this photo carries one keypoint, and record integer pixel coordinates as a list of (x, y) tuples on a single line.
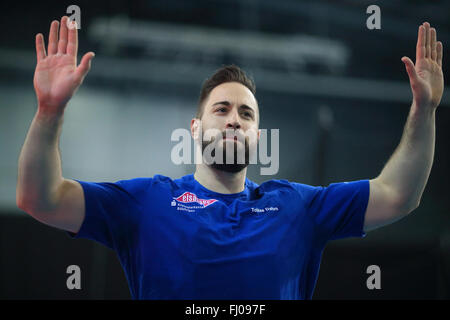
[(410, 69), (85, 65)]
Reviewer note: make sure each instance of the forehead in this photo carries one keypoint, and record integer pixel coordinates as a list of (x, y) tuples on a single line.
[(234, 92)]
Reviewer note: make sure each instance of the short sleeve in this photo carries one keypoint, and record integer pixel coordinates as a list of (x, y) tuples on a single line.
[(112, 210), (338, 210)]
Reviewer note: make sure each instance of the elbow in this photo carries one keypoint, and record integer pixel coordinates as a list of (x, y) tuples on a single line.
[(29, 205), (417, 204), (19, 205), (19, 200), (409, 206), (31, 209), (22, 205), (22, 202)]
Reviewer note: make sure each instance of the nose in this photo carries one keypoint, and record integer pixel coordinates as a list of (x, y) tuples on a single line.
[(233, 121)]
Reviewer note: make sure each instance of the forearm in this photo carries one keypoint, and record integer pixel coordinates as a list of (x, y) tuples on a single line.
[(40, 172), (407, 171)]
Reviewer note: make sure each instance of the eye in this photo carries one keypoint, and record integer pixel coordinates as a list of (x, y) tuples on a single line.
[(248, 114), (222, 109)]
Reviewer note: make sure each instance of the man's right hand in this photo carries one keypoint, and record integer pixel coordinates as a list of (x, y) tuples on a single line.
[(57, 76)]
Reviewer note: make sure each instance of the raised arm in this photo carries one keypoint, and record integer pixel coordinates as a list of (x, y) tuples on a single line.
[(398, 189), (41, 189)]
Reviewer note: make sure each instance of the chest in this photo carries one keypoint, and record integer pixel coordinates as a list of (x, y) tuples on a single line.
[(199, 228)]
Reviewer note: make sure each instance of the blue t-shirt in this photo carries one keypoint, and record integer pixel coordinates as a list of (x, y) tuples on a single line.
[(176, 239)]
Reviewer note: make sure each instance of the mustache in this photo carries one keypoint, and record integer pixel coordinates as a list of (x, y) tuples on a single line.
[(229, 134)]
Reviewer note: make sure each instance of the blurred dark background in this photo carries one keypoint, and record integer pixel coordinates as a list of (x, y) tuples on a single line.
[(337, 91)]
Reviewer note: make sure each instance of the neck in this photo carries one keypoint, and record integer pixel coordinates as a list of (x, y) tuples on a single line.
[(220, 181)]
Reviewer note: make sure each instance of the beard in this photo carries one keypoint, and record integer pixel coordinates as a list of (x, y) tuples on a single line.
[(234, 166)]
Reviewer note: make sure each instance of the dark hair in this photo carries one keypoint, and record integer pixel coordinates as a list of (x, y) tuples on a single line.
[(229, 73)]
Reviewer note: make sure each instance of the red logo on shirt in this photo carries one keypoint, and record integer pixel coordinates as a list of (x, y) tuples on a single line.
[(189, 197)]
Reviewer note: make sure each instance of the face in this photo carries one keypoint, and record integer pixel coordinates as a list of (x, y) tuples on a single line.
[(232, 109)]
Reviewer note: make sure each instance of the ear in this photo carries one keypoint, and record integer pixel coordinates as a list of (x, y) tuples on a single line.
[(195, 126)]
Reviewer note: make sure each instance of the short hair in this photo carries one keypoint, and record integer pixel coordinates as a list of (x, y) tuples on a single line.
[(227, 73)]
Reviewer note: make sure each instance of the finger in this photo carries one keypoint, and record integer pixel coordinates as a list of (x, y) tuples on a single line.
[(53, 38), (433, 44), (72, 45), (420, 48), (85, 65), (428, 40), (62, 43), (410, 69), (439, 51), (40, 47)]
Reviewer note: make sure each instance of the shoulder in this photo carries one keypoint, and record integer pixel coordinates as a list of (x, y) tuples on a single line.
[(141, 183), (284, 185), (159, 181), (133, 185), (295, 192)]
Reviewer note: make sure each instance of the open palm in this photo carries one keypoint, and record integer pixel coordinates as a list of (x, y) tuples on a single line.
[(57, 76), (426, 77)]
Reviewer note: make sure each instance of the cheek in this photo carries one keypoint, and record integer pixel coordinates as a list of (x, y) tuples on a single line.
[(212, 121), (252, 133)]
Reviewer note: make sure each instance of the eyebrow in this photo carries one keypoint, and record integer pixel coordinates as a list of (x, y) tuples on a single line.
[(227, 103)]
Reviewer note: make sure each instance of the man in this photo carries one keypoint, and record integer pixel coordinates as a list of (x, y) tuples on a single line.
[(215, 234)]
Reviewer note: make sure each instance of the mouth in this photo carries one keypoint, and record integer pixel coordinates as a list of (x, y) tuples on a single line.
[(236, 136)]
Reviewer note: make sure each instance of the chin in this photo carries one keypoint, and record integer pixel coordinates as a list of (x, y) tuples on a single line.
[(232, 168)]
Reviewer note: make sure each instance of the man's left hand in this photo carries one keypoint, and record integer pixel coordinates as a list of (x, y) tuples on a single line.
[(426, 77)]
